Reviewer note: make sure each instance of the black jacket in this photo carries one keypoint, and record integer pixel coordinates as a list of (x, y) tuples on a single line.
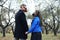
[(20, 25)]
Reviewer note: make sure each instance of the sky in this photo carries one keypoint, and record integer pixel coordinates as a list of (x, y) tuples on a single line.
[(31, 4)]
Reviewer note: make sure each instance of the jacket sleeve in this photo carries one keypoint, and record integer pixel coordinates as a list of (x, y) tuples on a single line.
[(33, 25)]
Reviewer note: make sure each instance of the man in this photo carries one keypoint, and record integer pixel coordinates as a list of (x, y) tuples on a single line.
[(21, 24)]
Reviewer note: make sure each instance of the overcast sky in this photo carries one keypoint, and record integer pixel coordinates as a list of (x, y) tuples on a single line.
[(31, 4)]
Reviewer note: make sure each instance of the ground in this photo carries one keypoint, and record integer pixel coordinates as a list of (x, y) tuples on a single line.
[(44, 37)]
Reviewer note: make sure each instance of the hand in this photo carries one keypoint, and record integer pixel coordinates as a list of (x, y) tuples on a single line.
[(26, 32)]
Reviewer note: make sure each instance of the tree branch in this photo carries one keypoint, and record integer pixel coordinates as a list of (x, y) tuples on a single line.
[(4, 2), (9, 24)]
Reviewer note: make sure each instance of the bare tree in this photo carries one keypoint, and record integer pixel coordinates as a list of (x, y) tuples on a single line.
[(4, 21)]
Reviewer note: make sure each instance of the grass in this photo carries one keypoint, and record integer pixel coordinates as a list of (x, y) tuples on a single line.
[(50, 37), (8, 37), (44, 37)]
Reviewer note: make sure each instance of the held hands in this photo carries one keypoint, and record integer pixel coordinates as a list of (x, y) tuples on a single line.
[(26, 32)]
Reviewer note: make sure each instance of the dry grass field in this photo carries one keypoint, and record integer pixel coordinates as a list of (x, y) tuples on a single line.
[(44, 37)]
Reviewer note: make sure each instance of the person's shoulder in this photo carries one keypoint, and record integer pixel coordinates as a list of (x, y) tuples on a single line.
[(36, 18), (19, 11)]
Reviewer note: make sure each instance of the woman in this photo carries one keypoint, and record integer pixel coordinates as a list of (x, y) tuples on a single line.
[(36, 27)]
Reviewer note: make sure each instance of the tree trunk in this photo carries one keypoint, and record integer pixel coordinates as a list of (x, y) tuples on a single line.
[(46, 30), (55, 33), (12, 30), (54, 28), (3, 32)]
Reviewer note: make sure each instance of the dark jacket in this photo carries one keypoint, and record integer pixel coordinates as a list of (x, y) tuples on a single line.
[(20, 25)]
